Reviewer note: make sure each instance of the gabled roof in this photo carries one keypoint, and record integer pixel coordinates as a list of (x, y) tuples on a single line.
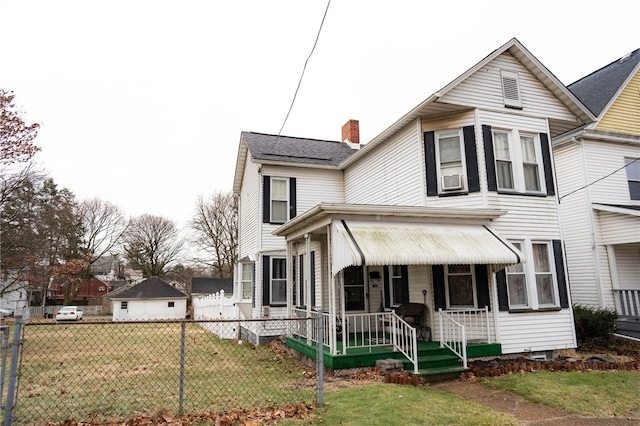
[(599, 88), (208, 285), (432, 106), (287, 150), (151, 288)]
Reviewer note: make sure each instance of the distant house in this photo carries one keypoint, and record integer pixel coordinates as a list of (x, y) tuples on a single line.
[(151, 299), (201, 286), (89, 288), (598, 169)]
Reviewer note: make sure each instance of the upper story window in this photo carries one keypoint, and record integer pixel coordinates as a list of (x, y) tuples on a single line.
[(633, 177), (450, 160), (279, 199), (518, 162)]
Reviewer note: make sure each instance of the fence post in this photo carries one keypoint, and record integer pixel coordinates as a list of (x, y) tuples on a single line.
[(183, 327), (320, 359), (5, 355), (13, 373)]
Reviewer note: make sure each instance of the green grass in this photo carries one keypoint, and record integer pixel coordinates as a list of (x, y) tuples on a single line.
[(387, 404), (113, 371), (595, 393)]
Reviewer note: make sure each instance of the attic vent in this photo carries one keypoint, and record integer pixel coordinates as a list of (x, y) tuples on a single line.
[(626, 57), (511, 89)]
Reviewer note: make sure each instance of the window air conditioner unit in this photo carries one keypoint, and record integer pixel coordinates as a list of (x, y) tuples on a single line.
[(451, 182)]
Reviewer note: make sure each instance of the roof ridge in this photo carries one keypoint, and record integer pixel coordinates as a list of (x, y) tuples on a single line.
[(292, 137)]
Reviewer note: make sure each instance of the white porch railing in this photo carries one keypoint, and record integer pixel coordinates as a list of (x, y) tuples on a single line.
[(453, 335), (628, 301), (476, 322), (362, 331)]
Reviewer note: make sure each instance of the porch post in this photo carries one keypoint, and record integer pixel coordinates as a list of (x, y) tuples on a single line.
[(290, 275), (306, 283), (332, 294), (615, 280)]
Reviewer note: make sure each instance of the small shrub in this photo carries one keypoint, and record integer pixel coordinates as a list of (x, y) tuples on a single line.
[(594, 326)]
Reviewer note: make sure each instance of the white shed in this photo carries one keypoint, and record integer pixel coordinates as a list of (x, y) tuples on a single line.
[(151, 299)]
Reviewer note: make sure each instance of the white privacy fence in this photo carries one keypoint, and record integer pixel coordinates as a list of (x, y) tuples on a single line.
[(217, 306)]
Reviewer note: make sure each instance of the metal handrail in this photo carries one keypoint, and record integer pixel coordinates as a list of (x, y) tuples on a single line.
[(453, 336)]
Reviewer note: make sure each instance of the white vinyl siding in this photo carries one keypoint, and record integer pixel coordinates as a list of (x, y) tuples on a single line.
[(483, 90), (391, 174), (544, 331), (249, 220)]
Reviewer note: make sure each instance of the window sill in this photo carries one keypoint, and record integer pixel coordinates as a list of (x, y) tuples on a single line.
[(530, 310), (452, 193), (526, 194)]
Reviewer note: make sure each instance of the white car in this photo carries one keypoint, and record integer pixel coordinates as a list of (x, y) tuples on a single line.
[(69, 313)]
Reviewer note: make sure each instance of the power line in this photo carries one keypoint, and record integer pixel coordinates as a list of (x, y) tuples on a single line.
[(302, 75), (598, 180)]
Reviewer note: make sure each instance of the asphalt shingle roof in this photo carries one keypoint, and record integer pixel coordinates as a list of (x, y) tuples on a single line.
[(151, 288), (206, 285), (596, 89), (296, 150)]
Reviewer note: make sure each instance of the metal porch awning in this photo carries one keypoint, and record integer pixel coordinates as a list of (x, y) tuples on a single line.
[(373, 243)]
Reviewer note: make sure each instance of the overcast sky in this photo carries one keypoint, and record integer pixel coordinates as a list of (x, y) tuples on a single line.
[(142, 102)]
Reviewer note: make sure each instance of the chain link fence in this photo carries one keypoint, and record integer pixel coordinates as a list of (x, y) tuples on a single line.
[(92, 371)]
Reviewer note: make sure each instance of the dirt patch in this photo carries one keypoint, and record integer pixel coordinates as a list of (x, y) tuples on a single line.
[(528, 413)]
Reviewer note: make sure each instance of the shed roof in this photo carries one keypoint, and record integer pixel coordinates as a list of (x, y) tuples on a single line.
[(209, 285), (597, 89), (151, 288)]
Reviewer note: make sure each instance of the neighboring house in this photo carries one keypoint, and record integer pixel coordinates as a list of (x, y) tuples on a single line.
[(598, 168), (453, 206), (89, 289), (151, 299), (201, 286)]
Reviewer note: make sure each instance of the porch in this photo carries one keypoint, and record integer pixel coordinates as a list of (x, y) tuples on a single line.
[(628, 307), (369, 337)]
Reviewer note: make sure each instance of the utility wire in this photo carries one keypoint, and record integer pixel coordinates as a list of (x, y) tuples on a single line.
[(302, 75), (598, 180)]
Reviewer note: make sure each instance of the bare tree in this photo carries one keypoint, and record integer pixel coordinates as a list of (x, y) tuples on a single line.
[(215, 223), (103, 224), (152, 244)]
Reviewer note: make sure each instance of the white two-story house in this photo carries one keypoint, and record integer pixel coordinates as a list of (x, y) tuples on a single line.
[(453, 208), (598, 167)]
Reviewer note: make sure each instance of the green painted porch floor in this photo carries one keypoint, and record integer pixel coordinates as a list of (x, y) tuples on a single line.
[(432, 359)]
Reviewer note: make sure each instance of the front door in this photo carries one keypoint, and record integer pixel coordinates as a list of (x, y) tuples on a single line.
[(354, 290)]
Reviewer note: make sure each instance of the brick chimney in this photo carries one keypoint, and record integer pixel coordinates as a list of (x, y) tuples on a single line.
[(351, 132)]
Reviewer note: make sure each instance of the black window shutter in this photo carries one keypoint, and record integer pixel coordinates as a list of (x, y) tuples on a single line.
[(405, 283), (313, 278), (266, 280), (430, 163), (482, 286), (302, 300), (266, 199), (489, 158), (503, 294), (560, 274), (546, 162), (439, 295), (387, 294), (292, 198), (471, 157)]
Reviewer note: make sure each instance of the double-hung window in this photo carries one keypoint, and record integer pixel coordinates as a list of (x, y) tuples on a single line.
[(450, 159), (633, 177), (279, 203), (504, 165), (278, 281), (247, 280), (532, 283), (460, 288), (518, 160), (396, 288)]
